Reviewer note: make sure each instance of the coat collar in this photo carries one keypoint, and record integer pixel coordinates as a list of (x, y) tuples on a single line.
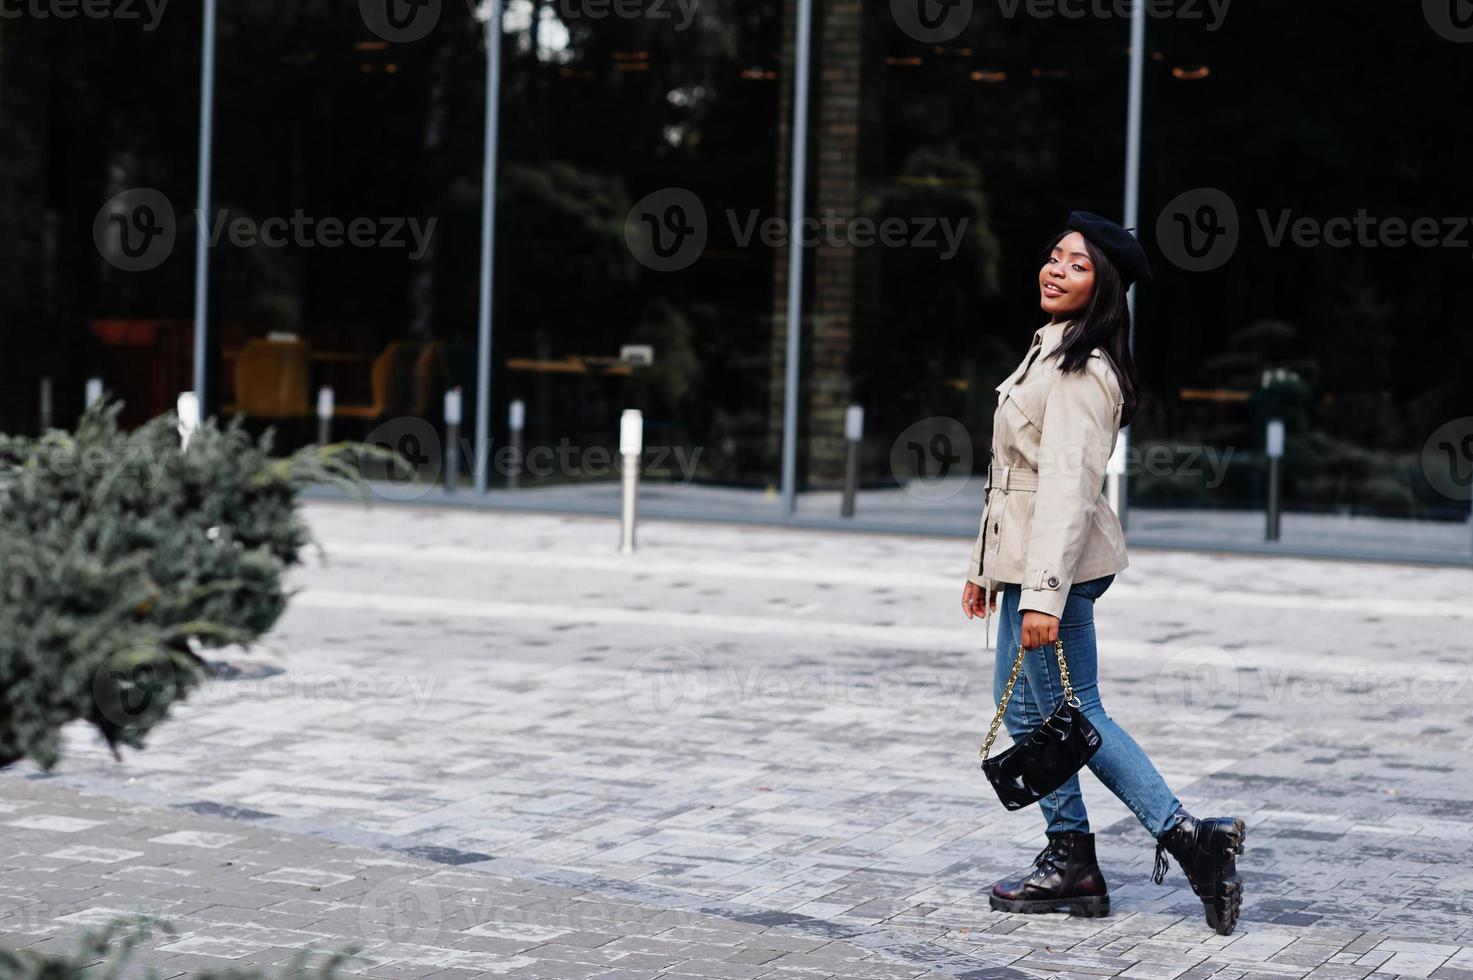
[(1050, 335)]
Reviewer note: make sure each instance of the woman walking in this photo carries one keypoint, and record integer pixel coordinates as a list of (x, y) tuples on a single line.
[(1049, 547)]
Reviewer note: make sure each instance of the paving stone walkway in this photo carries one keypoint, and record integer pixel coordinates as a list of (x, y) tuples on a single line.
[(486, 743)]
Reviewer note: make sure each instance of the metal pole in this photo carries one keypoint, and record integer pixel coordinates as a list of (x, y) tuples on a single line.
[(1273, 499), (45, 405), (202, 213), (488, 248), (1132, 211), (802, 66)]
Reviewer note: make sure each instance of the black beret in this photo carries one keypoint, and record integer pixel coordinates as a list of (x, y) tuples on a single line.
[(1119, 245)]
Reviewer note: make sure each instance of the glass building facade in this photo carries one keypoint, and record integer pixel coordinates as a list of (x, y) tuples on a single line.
[(1302, 193)]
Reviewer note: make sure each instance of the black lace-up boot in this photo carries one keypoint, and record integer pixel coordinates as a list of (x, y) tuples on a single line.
[(1065, 878), (1207, 851)]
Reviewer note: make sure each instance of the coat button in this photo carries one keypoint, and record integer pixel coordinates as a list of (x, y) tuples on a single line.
[(1053, 582)]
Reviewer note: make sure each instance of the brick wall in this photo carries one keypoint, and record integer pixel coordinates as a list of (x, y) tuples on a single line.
[(834, 189)]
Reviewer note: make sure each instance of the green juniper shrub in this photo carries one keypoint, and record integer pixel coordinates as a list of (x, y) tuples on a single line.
[(126, 553), (105, 955)]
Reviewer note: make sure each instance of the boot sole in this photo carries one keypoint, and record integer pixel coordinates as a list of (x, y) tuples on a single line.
[(1222, 908), (1092, 907)]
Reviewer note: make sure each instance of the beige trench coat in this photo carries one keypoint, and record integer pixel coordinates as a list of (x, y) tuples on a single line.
[(1047, 523)]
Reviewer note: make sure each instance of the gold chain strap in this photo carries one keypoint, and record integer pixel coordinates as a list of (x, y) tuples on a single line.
[(1007, 694)]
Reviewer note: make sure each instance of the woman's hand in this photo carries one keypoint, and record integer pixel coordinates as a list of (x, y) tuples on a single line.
[(1039, 629), (972, 603)]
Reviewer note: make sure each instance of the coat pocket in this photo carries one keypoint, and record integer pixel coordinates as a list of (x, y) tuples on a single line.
[(1028, 401)]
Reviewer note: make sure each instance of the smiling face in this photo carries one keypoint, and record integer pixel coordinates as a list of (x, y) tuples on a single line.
[(1067, 279)]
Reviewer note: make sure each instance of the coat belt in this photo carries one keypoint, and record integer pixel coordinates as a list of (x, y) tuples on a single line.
[(1012, 478)]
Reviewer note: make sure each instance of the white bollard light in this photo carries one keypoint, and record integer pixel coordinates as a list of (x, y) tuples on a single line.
[(326, 408), (187, 409), (516, 421), (454, 411), (94, 391), (1274, 450), (631, 448), (853, 437)]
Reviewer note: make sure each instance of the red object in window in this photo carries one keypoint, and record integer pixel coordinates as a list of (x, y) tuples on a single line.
[(149, 364)]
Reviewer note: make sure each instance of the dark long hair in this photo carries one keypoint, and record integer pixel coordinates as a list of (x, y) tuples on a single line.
[(1105, 325)]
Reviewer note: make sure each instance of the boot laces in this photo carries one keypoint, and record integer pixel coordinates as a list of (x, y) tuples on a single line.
[(1158, 873), (1045, 863)]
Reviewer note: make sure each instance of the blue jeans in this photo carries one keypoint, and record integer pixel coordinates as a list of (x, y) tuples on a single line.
[(1120, 763)]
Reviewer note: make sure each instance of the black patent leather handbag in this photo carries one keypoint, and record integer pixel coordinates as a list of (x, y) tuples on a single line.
[(1044, 760)]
